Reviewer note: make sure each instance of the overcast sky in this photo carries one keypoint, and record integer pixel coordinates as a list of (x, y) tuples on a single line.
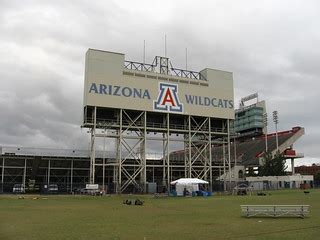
[(272, 47)]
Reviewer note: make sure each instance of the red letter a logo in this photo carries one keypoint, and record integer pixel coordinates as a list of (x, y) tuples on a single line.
[(168, 98)]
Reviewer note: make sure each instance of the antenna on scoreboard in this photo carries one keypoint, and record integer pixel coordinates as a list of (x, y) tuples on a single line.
[(144, 51), (186, 58), (165, 45)]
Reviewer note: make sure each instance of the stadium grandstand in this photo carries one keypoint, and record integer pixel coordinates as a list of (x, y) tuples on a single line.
[(248, 151), (69, 169), (308, 170)]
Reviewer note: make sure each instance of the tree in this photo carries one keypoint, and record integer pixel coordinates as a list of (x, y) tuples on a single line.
[(317, 176), (273, 166)]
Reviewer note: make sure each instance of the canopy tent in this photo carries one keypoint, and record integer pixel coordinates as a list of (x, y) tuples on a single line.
[(187, 184), (186, 181)]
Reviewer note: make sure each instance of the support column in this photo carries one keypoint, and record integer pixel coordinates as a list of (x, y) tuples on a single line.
[(93, 148), (71, 176), (266, 140), (229, 155), (49, 166), (164, 148), (190, 149), (24, 173), (143, 175), (115, 179), (168, 152), (119, 153), (2, 176), (224, 159), (103, 161), (185, 152), (185, 155), (103, 175), (210, 157), (235, 172), (144, 154)]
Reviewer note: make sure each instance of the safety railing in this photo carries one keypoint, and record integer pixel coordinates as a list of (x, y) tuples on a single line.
[(137, 66)]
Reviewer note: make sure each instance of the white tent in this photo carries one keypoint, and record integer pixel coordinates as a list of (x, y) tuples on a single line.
[(190, 184), (186, 181)]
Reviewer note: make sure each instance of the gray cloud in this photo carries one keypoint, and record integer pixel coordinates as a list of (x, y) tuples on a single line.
[(270, 46)]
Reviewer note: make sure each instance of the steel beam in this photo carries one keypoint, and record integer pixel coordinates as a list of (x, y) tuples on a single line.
[(93, 148)]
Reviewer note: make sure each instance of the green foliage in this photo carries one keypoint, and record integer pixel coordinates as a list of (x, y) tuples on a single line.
[(273, 166), (317, 176)]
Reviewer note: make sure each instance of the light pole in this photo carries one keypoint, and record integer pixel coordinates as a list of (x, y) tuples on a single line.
[(276, 121), (265, 124)]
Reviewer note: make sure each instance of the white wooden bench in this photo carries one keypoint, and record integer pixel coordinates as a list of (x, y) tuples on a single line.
[(275, 210)]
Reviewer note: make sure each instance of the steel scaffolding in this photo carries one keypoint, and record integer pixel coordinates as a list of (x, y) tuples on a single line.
[(133, 129)]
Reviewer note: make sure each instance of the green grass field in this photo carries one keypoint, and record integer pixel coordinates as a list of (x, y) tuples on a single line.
[(216, 217)]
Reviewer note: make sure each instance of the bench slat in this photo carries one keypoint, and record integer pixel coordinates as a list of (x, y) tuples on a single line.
[(275, 210)]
